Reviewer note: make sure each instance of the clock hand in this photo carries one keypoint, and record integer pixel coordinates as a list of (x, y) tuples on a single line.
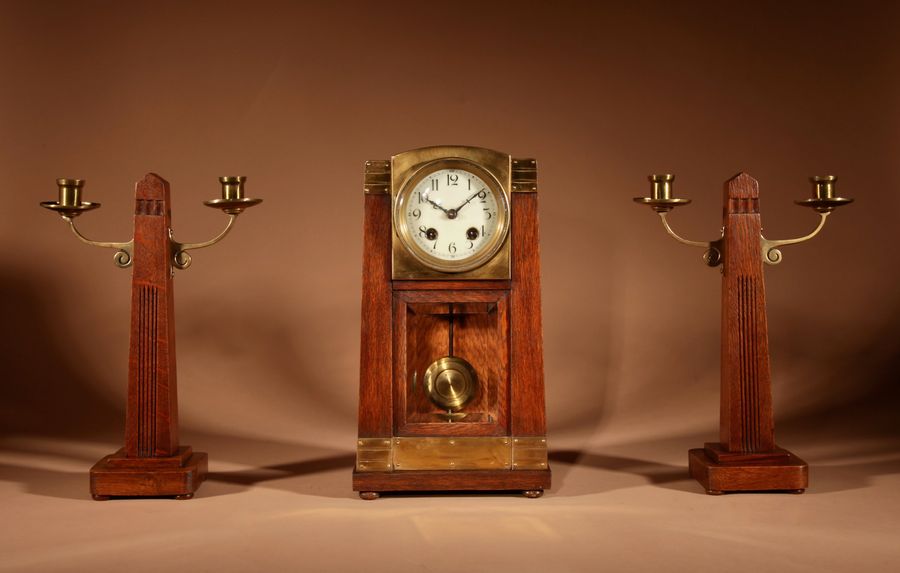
[(458, 209), (436, 205)]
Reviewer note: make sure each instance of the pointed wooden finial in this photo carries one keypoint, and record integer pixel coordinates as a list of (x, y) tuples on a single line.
[(741, 194), (152, 187)]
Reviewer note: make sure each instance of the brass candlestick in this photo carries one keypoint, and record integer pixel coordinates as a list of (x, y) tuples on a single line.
[(746, 457), (152, 463)]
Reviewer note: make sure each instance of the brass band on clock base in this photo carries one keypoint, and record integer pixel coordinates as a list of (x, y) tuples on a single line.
[(459, 463), (720, 472)]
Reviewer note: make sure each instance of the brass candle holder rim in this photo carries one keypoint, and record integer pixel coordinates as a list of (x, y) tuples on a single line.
[(824, 205), (70, 210), (823, 178), (661, 177), (232, 179), (662, 205), (70, 182), (233, 206)]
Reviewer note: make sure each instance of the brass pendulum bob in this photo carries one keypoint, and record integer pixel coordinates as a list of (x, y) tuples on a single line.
[(450, 381)]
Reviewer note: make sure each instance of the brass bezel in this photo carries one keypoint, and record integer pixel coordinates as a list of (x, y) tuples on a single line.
[(407, 169)]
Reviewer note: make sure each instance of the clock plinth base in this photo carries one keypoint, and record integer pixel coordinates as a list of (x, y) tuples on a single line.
[(719, 472), (177, 476), (530, 483)]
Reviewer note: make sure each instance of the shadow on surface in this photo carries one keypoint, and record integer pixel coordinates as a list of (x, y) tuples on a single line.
[(295, 477), (43, 391), (46, 482), (650, 472)]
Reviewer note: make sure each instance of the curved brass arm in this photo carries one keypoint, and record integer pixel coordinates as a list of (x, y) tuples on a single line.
[(180, 257), (713, 255), (125, 251), (771, 253)]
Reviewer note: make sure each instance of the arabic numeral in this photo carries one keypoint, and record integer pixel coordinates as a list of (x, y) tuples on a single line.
[(416, 213), (471, 244), (451, 248), (434, 184), (483, 196), (488, 213), (452, 178), (423, 230)]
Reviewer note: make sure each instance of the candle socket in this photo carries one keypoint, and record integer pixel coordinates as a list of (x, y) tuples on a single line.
[(70, 192), (661, 186), (232, 187), (823, 187)]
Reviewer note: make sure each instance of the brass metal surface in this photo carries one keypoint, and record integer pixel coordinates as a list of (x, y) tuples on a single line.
[(661, 198), (463, 453), (373, 455), (529, 453), (70, 191), (494, 168), (232, 187), (714, 249), (451, 453), (70, 206), (233, 201), (772, 255), (70, 211), (823, 199), (661, 186), (377, 177), (233, 206), (450, 382), (524, 176)]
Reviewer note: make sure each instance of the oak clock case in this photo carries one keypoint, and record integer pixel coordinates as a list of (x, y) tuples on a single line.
[(451, 371)]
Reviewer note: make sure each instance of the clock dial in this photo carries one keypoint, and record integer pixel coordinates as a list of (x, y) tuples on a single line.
[(452, 216)]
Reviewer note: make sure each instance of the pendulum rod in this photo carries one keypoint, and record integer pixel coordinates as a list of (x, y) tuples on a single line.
[(451, 329)]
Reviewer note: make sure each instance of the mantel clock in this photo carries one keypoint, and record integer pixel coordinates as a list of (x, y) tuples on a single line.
[(451, 372)]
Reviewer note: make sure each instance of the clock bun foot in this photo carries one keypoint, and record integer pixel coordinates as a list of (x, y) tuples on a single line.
[(100, 497), (369, 495), (533, 493)]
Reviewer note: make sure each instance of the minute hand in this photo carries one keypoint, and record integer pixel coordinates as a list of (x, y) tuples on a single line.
[(458, 209)]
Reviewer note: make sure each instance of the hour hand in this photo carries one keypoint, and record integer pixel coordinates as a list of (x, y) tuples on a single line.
[(436, 205)]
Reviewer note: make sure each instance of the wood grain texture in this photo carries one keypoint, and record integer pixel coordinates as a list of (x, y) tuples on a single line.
[(497, 328), (421, 336), (527, 411), (152, 463), (790, 474), (746, 419), (117, 475), (375, 364), (151, 414), (447, 480), (746, 458)]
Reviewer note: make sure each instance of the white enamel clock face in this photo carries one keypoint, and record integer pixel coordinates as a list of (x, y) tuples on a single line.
[(452, 218)]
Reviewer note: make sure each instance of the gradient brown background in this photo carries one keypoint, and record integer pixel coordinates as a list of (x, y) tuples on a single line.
[(298, 95)]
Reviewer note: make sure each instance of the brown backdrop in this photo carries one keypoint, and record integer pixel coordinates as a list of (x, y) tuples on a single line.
[(298, 95)]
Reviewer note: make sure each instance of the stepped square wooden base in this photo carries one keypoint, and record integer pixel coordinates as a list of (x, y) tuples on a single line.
[(177, 476), (531, 483), (722, 472)]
